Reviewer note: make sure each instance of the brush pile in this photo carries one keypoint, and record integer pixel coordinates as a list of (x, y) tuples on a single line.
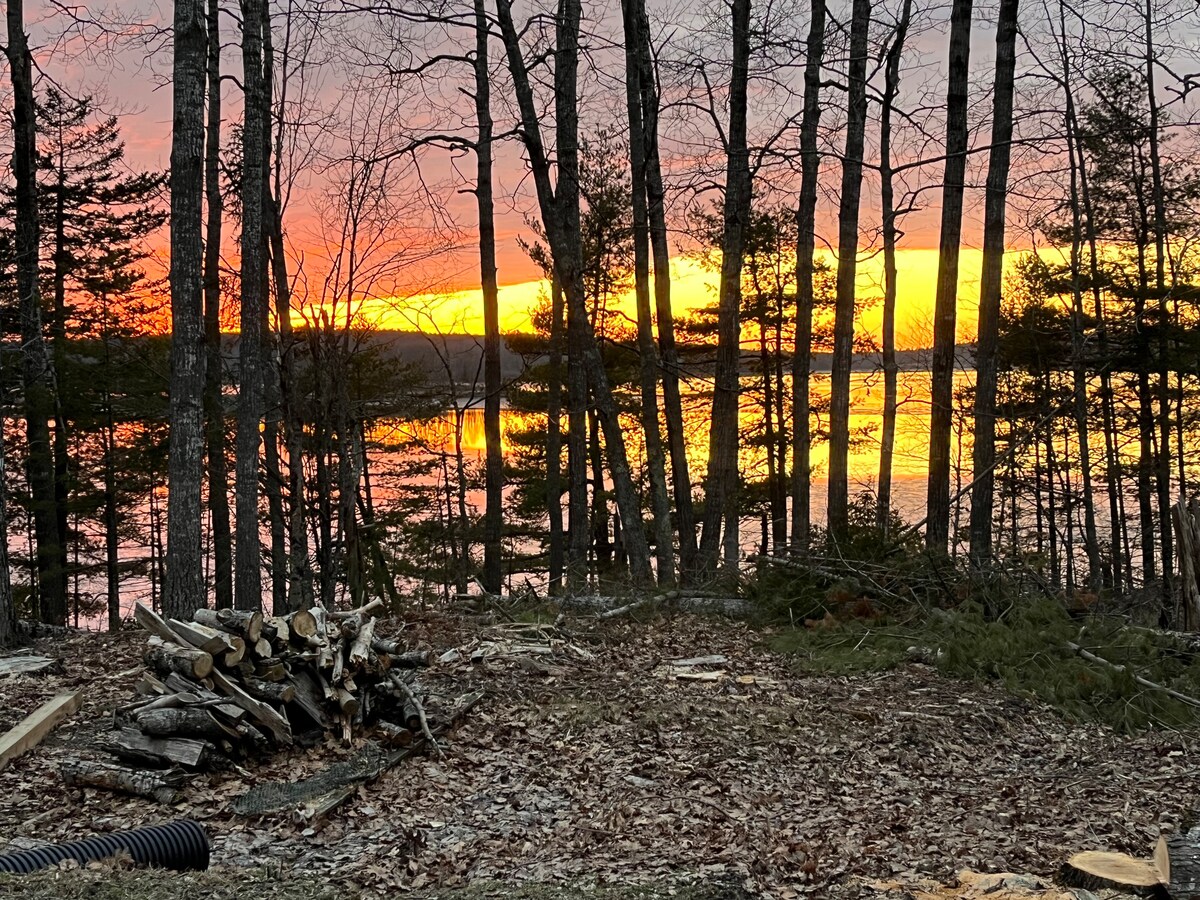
[(232, 685)]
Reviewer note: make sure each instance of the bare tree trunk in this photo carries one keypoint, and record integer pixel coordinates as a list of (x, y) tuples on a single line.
[(494, 464), (1079, 374), (843, 327), (1163, 459), (185, 570), (214, 405), (937, 527), (8, 614), (554, 439), (647, 352), (983, 454), (36, 369), (681, 481), (560, 216), (810, 173), (721, 485), (271, 368), (248, 577), (887, 443)]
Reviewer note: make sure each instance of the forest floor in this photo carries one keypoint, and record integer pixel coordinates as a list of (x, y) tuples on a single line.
[(611, 777)]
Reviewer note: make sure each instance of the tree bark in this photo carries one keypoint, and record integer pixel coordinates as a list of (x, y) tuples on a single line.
[(248, 576), (847, 270), (554, 439), (647, 352), (214, 405), (8, 617), (887, 443), (937, 528), (36, 369), (983, 454), (185, 572), (810, 172), (721, 494), (560, 216), (681, 481), (494, 463)]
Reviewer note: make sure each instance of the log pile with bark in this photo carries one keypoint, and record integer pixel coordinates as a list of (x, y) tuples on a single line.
[(231, 685)]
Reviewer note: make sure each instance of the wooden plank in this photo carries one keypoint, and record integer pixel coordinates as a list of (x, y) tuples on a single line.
[(30, 732), (25, 665)]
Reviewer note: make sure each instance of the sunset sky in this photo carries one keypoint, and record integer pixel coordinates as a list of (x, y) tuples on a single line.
[(134, 88)]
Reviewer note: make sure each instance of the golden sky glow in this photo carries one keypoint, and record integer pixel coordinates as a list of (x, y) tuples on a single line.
[(692, 287)]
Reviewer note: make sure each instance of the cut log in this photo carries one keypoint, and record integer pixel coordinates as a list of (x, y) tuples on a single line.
[(149, 686), (262, 713), (184, 722), (185, 661), (1099, 870), (271, 691), (161, 787), (310, 698), (391, 735), (154, 623), (202, 637), (131, 744), (347, 701), (360, 649), (263, 649), (301, 624), (270, 670), (1178, 858), (276, 630), (245, 623), (31, 731), (235, 654), (374, 606)]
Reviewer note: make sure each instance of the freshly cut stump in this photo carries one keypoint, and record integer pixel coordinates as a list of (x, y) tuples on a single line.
[(1097, 870)]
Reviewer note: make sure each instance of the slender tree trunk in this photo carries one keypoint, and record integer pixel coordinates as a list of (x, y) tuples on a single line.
[(647, 352), (721, 492), (36, 369), (554, 439), (273, 481), (8, 614), (1079, 374), (887, 443), (494, 465), (810, 166), (214, 405), (937, 528), (560, 216), (983, 453), (843, 327), (58, 334), (1163, 459), (248, 576), (681, 481)]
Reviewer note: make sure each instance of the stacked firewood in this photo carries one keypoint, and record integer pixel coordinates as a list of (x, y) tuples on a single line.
[(232, 684)]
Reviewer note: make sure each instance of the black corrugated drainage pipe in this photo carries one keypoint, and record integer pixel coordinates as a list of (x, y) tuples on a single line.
[(180, 845)]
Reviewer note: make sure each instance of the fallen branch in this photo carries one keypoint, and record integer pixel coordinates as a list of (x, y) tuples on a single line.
[(1144, 682), (412, 698)]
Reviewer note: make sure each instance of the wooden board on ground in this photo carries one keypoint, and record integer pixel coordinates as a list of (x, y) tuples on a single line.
[(26, 665), (30, 732)]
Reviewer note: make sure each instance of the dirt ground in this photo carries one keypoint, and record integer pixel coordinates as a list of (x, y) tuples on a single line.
[(613, 771)]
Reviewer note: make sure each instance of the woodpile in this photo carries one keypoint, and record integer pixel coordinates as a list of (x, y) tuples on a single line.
[(231, 685)]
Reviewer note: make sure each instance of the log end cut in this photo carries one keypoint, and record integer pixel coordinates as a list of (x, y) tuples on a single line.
[(1100, 870)]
